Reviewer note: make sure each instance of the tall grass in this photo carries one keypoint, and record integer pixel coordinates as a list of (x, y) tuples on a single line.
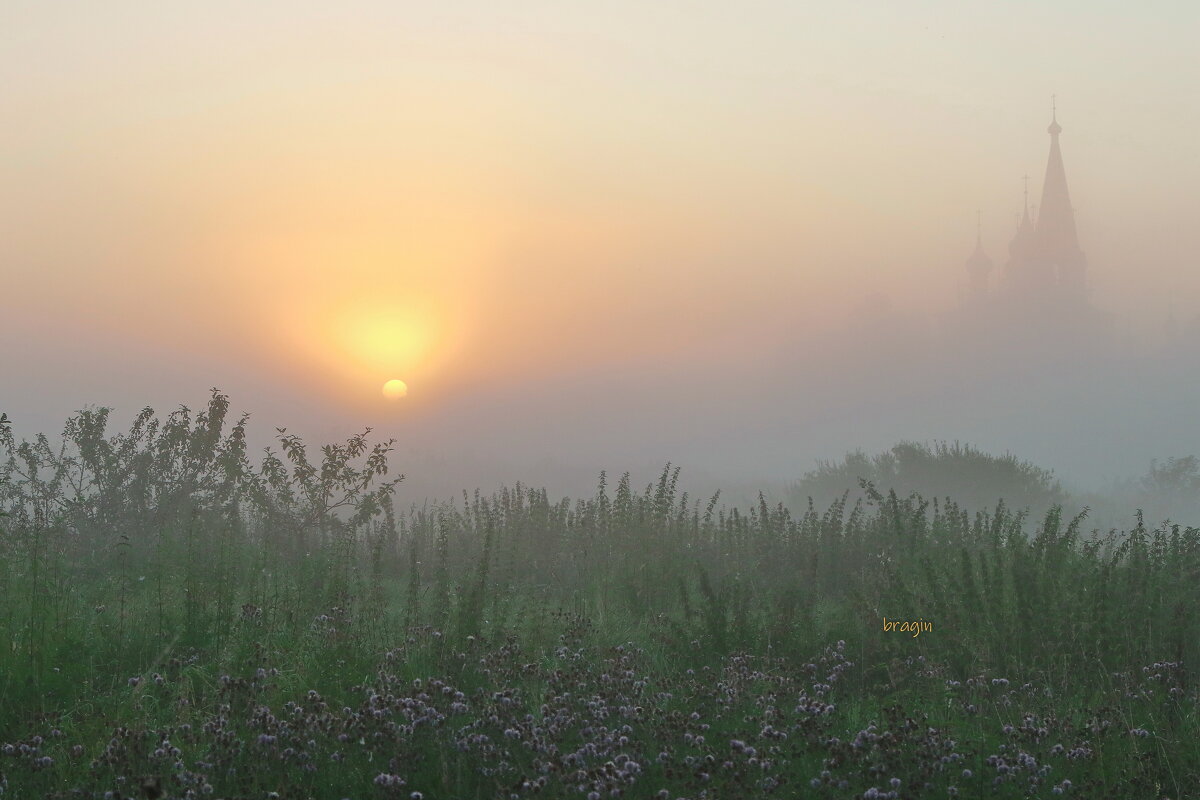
[(166, 550)]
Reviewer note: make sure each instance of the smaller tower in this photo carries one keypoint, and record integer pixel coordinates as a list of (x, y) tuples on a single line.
[(979, 266), (1019, 278), (1022, 241)]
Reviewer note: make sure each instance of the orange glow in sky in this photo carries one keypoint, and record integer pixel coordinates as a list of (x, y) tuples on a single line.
[(494, 194)]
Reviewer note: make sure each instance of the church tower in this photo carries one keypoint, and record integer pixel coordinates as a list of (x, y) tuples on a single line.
[(979, 267), (1056, 253), (1021, 278), (1046, 266), (1038, 311)]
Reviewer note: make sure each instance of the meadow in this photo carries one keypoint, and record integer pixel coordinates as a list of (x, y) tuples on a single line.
[(185, 620)]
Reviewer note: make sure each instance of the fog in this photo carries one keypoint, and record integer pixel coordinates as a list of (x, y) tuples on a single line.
[(739, 424), (609, 242)]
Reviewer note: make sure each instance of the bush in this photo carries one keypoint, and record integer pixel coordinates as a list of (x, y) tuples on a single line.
[(975, 479)]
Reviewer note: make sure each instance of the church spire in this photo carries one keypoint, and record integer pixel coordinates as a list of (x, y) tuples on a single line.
[(1022, 240), (979, 264), (1056, 220), (1056, 244)]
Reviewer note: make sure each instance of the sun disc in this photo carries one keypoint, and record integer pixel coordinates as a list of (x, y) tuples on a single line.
[(395, 389)]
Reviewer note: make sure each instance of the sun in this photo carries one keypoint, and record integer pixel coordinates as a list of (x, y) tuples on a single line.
[(395, 389)]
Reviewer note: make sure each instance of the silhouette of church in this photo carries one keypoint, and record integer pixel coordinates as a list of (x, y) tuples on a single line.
[(1038, 303)]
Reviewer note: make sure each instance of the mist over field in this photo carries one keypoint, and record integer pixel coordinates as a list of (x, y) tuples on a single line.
[(738, 422), (510, 399), (740, 248)]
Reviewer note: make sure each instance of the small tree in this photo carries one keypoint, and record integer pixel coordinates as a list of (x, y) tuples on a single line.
[(1176, 476), (163, 471), (1171, 489)]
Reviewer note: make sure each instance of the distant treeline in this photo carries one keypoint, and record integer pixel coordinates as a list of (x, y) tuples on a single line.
[(975, 479)]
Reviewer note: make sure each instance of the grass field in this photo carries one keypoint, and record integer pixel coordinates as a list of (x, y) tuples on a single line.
[(181, 622)]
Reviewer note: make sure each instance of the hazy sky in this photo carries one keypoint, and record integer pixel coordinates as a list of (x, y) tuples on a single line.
[(586, 232)]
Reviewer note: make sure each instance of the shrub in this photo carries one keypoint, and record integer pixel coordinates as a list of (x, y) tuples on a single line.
[(973, 478)]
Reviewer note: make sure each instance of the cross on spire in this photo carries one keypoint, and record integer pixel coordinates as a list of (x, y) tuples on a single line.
[(1054, 128)]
